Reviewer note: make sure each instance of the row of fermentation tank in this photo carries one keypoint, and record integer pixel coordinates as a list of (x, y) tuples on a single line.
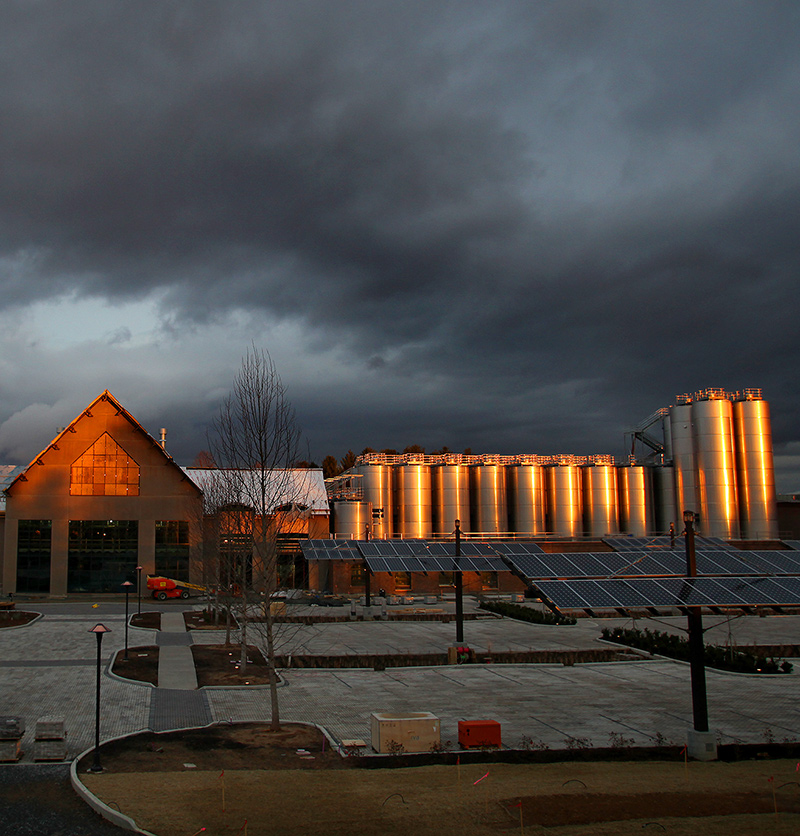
[(711, 454)]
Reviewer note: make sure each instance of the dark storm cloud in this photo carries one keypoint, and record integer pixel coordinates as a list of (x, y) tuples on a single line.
[(538, 221)]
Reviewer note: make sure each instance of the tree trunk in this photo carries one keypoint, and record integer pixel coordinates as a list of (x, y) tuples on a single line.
[(275, 719)]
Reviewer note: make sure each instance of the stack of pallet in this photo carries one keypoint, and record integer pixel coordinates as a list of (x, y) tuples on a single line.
[(51, 741), (11, 731)]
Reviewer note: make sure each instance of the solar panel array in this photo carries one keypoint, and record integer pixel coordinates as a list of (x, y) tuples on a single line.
[(793, 544), (642, 572)]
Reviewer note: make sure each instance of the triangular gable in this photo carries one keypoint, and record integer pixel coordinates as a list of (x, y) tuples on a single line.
[(107, 397)]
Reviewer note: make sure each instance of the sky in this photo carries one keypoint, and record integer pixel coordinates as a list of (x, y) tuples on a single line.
[(514, 226)]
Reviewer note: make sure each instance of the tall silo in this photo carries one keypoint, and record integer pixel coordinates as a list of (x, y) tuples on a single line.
[(755, 474), (683, 460), (351, 519), (564, 500), (600, 507), (666, 512), (376, 484), (635, 493), (413, 501), (488, 499), (526, 499), (715, 465), (450, 498)]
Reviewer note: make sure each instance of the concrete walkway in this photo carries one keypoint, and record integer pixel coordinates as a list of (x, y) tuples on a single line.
[(47, 669), (175, 662)]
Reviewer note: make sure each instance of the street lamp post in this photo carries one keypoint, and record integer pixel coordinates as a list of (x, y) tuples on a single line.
[(127, 586), (459, 581), (139, 588), (701, 742), (696, 649), (98, 630)]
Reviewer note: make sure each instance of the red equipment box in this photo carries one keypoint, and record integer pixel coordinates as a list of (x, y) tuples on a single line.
[(478, 733)]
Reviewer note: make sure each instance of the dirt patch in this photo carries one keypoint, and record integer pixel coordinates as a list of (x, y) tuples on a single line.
[(142, 664), (563, 810), (147, 620), (587, 799), (241, 746), (216, 664), (16, 618)]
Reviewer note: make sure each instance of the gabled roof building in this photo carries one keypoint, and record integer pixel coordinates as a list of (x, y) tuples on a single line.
[(103, 498)]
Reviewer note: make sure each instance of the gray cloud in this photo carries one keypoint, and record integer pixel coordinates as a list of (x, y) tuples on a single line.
[(522, 226)]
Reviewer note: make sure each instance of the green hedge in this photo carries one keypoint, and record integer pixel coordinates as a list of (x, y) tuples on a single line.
[(525, 613), (677, 647)]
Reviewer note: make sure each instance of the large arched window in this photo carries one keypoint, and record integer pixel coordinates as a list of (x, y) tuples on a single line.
[(105, 469)]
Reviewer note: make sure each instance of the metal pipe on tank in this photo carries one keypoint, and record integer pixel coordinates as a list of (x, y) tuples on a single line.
[(351, 519), (413, 501), (376, 484), (450, 498), (715, 468), (488, 499), (666, 513), (635, 500), (601, 511), (564, 500), (755, 470), (526, 499)]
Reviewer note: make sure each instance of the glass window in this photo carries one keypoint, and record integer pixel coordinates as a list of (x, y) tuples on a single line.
[(357, 574), (489, 580), (402, 581), (172, 549), (105, 469), (447, 578), (102, 554), (33, 555)]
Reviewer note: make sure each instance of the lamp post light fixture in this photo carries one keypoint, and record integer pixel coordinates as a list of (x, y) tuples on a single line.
[(98, 630), (139, 588), (127, 586)]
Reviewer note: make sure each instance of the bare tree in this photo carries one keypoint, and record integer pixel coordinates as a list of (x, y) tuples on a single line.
[(254, 441)]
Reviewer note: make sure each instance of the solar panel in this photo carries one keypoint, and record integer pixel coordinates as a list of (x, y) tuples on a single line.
[(673, 592), (329, 550), (517, 547), (436, 564), (792, 544)]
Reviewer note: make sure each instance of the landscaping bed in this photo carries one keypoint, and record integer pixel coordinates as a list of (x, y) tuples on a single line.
[(216, 664), (142, 664), (146, 620), (16, 618)]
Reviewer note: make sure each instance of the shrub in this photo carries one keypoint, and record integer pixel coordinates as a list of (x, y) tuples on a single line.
[(521, 613), (677, 647)]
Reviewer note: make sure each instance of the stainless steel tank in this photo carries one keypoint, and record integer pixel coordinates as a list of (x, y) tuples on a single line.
[(715, 468), (351, 519), (564, 500), (488, 499), (683, 462), (450, 498), (376, 484), (755, 473), (635, 492), (666, 512), (413, 501), (600, 506), (526, 499)]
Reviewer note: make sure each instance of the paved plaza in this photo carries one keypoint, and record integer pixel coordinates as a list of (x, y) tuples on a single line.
[(47, 669)]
